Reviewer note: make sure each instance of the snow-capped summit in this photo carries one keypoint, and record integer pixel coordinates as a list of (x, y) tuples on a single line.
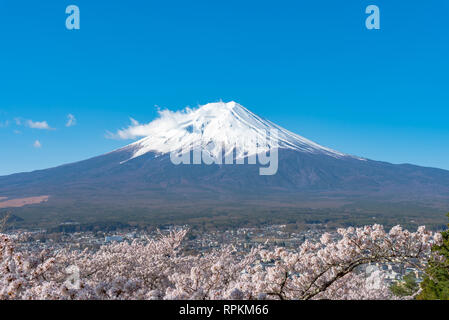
[(228, 125)]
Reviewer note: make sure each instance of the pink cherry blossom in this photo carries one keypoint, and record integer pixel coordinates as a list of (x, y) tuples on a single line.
[(331, 268)]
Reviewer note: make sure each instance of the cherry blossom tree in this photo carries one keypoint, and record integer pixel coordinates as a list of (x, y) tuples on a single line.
[(326, 269), (331, 268)]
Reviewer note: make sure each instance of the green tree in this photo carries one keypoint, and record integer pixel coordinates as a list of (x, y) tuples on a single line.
[(435, 285), (407, 287)]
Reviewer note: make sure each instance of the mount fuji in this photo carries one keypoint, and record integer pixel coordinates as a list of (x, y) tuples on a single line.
[(140, 180)]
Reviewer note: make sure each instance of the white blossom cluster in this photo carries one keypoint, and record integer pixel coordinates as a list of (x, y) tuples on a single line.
[(158, 269)]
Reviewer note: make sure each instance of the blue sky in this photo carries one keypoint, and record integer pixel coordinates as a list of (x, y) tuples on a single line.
[(310, 66)]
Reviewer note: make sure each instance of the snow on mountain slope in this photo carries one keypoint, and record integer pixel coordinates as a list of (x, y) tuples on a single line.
[(228, 125)]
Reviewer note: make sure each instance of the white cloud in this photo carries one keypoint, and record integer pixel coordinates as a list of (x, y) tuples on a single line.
[(71, 120), (42, 125), (37, 144), (168, 120), (135, 130)]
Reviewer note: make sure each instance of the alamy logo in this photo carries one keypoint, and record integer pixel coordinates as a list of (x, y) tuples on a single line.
[(73, 20), (262, 150), (373, 20)]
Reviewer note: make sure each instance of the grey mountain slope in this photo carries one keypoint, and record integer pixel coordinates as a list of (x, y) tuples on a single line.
[(302, 174)]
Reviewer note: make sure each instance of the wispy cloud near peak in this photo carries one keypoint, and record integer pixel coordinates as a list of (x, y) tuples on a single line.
[(135, 130)]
